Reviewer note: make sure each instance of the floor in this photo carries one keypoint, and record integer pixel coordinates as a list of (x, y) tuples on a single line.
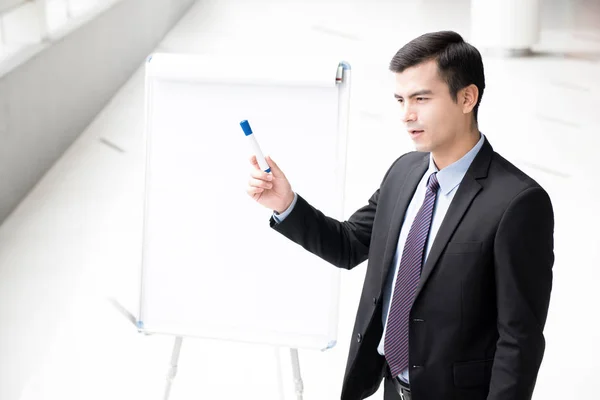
[(75, 241)]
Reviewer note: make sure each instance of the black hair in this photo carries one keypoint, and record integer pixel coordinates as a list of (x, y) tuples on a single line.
[(459, 63)]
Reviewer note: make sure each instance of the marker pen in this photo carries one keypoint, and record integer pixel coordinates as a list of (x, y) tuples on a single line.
[(255, 147)]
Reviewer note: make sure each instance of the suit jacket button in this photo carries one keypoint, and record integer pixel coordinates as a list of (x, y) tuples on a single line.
[(374, 301), (359, 338)]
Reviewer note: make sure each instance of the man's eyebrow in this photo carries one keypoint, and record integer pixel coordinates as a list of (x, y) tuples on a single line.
[(419, 93)]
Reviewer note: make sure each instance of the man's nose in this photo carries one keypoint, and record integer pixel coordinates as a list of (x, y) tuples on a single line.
[(409, 115)]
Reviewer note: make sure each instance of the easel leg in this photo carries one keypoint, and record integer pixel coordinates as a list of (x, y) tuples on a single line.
[(281, 392), (173, 369), (297, 377)]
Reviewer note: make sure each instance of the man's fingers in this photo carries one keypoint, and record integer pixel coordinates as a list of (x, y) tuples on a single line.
[(254, 190), (274, 167), (258, 174), (254, 162), (260, 184)]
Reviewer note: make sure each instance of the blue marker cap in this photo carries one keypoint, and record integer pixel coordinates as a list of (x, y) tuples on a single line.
[(246, 127)]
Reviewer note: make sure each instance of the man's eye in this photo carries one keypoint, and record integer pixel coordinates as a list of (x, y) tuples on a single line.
[(421, 98), (400, 100)]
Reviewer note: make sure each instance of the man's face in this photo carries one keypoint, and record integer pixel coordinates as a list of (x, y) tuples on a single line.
[(431, 117)]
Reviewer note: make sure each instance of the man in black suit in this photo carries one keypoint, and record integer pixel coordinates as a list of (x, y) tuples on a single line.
[(459, 245)]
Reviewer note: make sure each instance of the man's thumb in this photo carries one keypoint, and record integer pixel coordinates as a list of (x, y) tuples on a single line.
[(274, 167)]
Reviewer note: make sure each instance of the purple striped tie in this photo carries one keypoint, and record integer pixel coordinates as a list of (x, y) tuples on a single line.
[(396, 335)]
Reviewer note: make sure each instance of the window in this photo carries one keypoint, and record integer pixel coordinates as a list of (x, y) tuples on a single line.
[(28, 22)]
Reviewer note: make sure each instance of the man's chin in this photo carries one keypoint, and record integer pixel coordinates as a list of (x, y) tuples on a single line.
[(422, 147)]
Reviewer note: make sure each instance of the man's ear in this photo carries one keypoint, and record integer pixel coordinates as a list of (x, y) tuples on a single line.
[(467, 98)]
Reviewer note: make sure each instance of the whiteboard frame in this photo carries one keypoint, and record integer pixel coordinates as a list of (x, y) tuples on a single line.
[(163, 66)]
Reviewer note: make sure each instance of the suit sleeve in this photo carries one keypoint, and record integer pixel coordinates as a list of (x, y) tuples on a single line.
[(343, 244), (523, 258)]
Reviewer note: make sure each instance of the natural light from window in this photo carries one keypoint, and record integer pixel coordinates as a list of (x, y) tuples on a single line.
[(26, 23)]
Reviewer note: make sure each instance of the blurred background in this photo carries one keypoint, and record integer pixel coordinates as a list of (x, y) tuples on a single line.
[(71, 175)]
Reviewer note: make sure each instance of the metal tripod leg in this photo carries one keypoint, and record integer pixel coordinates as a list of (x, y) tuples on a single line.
[(173, 369), (297, 377)]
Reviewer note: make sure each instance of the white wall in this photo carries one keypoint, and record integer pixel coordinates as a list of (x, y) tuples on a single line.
[(8, 4), (49, 99)]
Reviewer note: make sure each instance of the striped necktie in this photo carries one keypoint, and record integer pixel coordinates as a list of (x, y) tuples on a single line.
[(409, 273)]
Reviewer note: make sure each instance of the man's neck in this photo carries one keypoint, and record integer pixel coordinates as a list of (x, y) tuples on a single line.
[(457, 151)]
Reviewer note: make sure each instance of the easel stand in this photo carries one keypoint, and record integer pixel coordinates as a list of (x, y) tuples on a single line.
[(173, 368), (177, 350), (295, 370)]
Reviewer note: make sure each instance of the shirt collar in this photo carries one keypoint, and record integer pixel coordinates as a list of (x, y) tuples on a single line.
[(452, 175)]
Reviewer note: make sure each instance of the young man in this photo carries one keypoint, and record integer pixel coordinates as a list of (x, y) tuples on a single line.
[(459, 243)]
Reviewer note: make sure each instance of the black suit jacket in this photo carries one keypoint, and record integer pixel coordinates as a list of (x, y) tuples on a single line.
[(476, 325)]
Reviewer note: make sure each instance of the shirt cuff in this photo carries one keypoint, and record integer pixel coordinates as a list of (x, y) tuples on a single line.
[(280, 217)]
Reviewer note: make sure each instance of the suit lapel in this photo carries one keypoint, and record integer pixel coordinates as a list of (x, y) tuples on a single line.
[(468, 189), (405, 194)]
